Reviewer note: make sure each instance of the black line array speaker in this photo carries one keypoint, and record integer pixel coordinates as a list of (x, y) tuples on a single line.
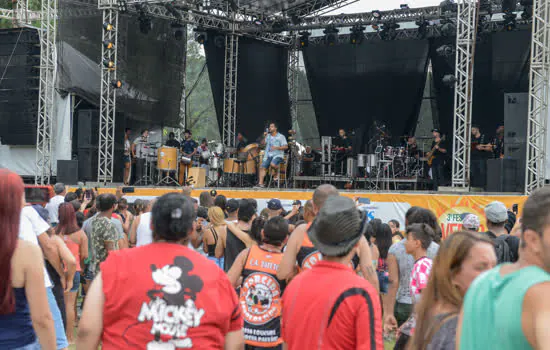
[(516, 108), (87, 139), (67, 172)]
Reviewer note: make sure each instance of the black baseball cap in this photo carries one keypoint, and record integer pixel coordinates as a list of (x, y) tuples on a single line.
[(436, 130), (274, 204), (232, 205)]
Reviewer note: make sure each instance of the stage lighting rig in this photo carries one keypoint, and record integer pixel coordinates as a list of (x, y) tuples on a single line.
[(404, 7), (304, 39), (377, 14), (331, 35), (117, 84), (389, 30), (449, 80), (445, 50), (357, 35), (122, 6), (108, 44), (200, 36), (448, 6), (108, 64), (108, 26)]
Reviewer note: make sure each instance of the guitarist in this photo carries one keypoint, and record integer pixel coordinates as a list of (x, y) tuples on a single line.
[(438, 156), (481, 151)]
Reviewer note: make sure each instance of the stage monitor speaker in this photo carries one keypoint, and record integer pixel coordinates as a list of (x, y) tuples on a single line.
[(67, 171), (502, 176), (197, 177), (516, 108)]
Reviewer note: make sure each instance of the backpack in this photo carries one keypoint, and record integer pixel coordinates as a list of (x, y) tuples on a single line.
[(503, 251)]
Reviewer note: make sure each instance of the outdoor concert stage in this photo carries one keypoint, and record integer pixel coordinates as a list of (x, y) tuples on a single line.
[(450, 208)]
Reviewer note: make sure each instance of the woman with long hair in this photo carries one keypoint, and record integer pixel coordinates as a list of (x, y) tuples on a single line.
[(25, 319), (383, 240), (206, 200), (69, 234), (461, 258), (211, 236)]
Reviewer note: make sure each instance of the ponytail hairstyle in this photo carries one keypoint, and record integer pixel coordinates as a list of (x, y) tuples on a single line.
[(422, 232), (256, 229), (13, 190)]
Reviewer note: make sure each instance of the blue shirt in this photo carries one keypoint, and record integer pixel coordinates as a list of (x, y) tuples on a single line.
[(189, 146), (274, 141)]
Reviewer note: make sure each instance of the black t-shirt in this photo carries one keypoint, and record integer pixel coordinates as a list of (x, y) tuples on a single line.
[(512, 241), (241, 145), (475, 153), (438, 155), (498, 147), (344, 143), (173, 143), (233, 247)]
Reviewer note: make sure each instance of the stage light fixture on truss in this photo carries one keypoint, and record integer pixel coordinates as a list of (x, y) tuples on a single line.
[(108, 26), (331, 35), (422, 27), (376, 14), (389, 30), (117, 84), (122, 6), (356, 37), (304, 39), (404, 7), (108, 44), (200, 36), (109, 64), (449, 80), (177, 30), (445, 50)]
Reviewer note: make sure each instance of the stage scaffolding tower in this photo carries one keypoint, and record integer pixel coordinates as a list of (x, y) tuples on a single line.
[(107, 102), (46, 91), (292, 76), (538, 97), (230, 84), (466, 29), (183, 101)]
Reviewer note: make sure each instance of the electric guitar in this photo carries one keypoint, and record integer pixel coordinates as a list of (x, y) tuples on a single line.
[(431, 155)]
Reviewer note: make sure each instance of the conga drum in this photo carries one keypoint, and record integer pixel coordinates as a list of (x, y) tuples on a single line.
[(167, 159)]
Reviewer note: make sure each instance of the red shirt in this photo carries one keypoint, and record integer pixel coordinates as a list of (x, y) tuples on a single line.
[(164, 295), (330, 307)]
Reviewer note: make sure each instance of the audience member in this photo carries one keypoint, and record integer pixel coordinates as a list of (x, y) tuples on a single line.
[(508, 306), (383, 240), (211, 238), (25, 318), (396, 234), (206, 200), (232, 243), (471, 223), (104, 236), (118, 311), (140, 232), (318, 305), (220, 201), (506, 246), (275, 208), (232, 210), (54, 203)]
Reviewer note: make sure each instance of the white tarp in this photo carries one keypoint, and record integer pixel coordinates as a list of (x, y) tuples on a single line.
[(22, 159)]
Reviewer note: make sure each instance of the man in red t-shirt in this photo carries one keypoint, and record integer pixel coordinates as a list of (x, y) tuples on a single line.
[(329, 306), (162, 295)]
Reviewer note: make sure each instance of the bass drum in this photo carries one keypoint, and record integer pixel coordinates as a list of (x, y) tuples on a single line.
[(230, 166)]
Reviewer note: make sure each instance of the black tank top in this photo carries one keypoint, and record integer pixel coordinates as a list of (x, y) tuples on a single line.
[(233, 246), (212, 247)]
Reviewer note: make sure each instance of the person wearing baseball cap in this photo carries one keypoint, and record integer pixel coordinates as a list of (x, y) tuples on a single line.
[(275, 208), (496, 216), (355, 316), (232, 209), (471, 223)]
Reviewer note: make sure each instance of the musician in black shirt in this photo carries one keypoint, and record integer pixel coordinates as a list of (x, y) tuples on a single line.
[(342, 144), (481, 151), (241, 141), (438, 156), (172, 142), (498, 143)]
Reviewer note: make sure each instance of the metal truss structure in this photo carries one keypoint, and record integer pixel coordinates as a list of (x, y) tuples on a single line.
[(292, 76), (230, 88), (464, 72), (46, 92), (538, 97), (183, 100), (107, 102)]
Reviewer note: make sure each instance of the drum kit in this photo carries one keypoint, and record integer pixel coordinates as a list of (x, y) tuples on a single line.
[(389, 161)]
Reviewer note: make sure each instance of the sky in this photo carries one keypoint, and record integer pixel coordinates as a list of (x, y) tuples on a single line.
[(370, 5)]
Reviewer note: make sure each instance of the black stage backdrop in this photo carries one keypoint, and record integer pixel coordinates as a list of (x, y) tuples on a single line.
[(262, 91), (501, 66), (354, 85), (19, 72), (149, 65)]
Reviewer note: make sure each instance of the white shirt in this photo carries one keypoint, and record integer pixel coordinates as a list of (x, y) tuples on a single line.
[(53, 208), (144, 234), (30, 227)]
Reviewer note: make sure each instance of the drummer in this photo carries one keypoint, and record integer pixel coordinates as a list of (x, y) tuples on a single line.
[(172, 142), (241, 142), (204, 154), (189, 150)]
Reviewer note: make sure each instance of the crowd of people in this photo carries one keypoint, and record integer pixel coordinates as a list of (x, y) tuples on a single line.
[(213, 273)]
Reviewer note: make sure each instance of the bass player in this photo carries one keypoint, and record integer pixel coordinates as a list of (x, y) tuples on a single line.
[(437, 157)]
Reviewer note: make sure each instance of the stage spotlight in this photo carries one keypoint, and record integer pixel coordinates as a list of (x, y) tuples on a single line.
[(404, 7), (109, 64), (117, 84), (449, 80), (448, 6), (108, 26), (389, 30), (448, 29), (200, 37), (356, 36), (122, 6), (219, 41), (376, 14), (445, 50), (509, 21), (304, 39), (108, 45), (331, 35)]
